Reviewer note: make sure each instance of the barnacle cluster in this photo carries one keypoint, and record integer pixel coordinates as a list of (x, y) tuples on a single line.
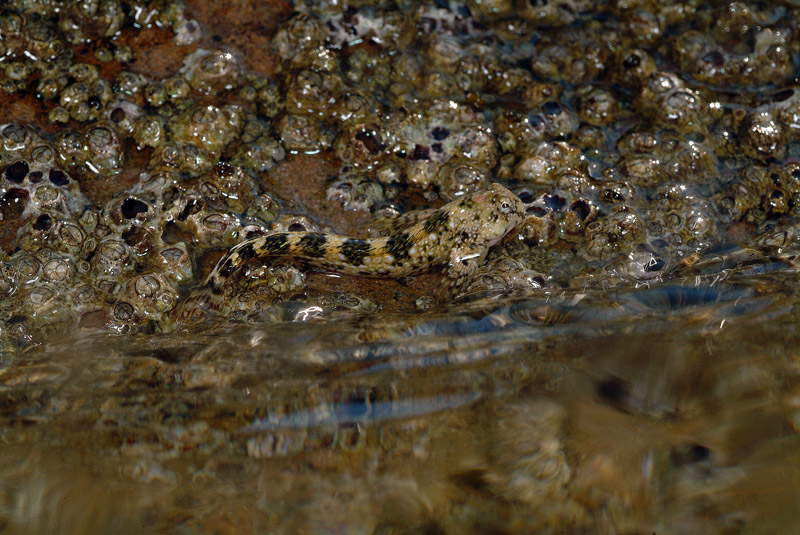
[(608, 127)]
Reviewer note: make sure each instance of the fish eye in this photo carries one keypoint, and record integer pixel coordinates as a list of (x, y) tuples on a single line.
[(505, 207)]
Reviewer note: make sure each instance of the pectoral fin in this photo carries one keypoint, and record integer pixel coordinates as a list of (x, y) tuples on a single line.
[(462, 266)]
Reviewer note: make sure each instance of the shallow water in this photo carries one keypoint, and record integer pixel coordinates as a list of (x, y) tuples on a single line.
[(670, 409)]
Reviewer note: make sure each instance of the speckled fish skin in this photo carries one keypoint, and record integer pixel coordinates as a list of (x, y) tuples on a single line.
[(455, 237)]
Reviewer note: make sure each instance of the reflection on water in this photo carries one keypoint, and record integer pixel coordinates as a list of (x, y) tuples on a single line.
[(669, 409)]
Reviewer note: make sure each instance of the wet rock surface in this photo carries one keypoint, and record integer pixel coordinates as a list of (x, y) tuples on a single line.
[(617, 159)]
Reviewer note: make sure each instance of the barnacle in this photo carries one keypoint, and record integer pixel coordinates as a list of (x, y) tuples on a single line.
[(615, 159)]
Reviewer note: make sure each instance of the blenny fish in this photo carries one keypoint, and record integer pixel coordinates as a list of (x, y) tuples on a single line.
[(455, 237)]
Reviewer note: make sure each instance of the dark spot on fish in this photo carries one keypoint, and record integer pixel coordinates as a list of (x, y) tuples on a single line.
[(313, 244), (227, 268), (355, 251), (275, 243), (215, 289), (435, 221), (398, 245), (246, 252)]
